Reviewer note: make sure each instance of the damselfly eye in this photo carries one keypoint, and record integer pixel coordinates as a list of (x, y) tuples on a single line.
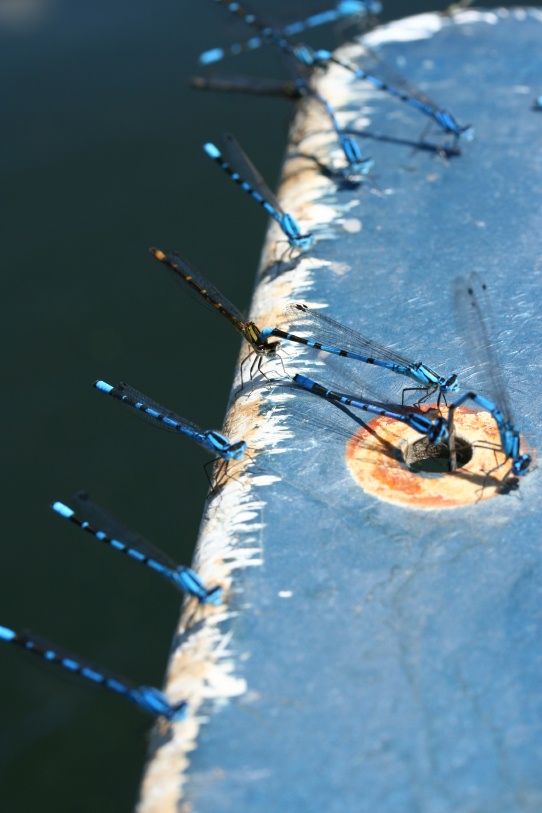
[(522, 464), (271, 349), (451, 383), (237, 450)]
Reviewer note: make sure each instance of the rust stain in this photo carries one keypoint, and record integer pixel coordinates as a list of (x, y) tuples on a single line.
[(378, 471)]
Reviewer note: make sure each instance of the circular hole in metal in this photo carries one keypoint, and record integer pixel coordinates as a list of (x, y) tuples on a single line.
[(429, 458)]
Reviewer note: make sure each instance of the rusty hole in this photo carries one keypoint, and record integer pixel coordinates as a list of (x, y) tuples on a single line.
[(422, 456)]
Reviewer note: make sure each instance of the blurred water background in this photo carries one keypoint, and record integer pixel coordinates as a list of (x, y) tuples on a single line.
[(101, 158)]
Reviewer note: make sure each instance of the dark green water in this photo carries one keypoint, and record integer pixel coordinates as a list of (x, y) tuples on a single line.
[(101, 158)]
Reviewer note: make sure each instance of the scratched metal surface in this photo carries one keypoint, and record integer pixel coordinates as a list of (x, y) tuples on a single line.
[(391, 656)]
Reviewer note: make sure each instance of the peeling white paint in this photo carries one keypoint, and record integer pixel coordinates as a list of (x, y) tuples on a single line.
[(421, 26), (473, 16), (424, 26), (352, 225)]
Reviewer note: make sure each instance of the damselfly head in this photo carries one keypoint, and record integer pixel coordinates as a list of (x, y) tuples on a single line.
[(445, 119), (357, 164), (521, 465), (178, 711), (270, 350), (293, 233), (467, 132), (450, 384), (237, 450), (155, 702), (256, 339), (438, 432), (303, 242), (321, 57)]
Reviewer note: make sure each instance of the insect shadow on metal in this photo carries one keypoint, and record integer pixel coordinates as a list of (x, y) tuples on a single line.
[(321, 446), (379, 466), (378, 74), (310, 436)]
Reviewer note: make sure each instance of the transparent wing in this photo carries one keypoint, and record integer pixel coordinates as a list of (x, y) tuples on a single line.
[(321, 328), (138, 397), (315, 435), (60, 652), (185, 274), (241, 163), (474, 317), (372, 64), (101, 520)]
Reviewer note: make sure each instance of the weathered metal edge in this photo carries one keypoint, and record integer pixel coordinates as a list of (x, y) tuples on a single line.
[(201, 666)]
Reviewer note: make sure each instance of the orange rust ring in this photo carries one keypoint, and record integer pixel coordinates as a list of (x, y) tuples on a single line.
[(376, 457)]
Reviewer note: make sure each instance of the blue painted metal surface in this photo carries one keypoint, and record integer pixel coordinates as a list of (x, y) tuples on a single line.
[(379, 657)]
